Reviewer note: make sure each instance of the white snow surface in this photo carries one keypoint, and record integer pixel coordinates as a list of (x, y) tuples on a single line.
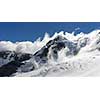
[(85, 63)]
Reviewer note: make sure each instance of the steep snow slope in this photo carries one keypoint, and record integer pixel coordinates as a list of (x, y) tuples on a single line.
[(63, 54)]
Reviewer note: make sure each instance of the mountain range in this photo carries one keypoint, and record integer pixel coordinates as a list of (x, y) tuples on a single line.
[(63, 54)]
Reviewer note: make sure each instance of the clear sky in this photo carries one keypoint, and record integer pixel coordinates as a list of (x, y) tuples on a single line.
[(21, 31)]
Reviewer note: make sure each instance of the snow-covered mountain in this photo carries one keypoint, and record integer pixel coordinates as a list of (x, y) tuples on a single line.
[(63, 54)]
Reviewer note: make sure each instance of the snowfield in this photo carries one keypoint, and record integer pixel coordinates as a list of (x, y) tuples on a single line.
[(61, 55)]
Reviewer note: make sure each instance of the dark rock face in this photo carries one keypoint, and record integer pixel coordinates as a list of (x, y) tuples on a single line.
[(22, 57), (13, 65), (73, 50), (9, 69), (4, 54), (15, 56)]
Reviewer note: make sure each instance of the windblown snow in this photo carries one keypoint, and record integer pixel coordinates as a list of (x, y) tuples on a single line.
[(63, 54)]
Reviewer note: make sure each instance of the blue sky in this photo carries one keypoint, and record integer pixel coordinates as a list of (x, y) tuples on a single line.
[(21, 31)]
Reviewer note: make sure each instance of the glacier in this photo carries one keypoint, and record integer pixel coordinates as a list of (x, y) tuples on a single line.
[(63, 54)]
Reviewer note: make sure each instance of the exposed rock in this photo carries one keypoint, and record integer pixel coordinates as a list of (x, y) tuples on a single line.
[(10, 68)]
